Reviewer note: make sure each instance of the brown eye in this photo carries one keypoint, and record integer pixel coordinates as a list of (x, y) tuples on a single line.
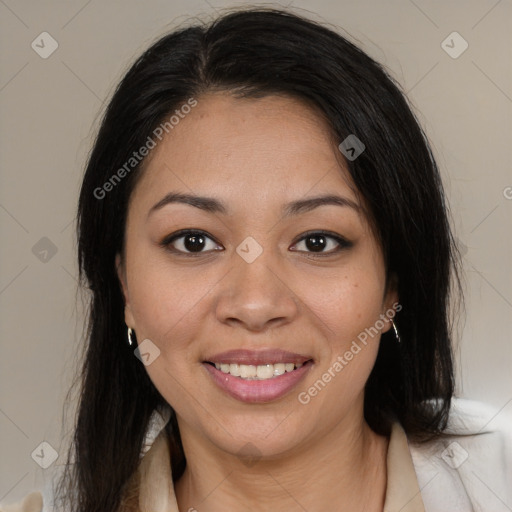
[(321, 243), (189, 242)]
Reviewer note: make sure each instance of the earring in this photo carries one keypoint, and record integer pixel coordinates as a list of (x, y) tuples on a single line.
[(130, 333), (396, 331)]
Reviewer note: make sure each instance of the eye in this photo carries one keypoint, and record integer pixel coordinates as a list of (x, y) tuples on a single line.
[(318, 241), (189, 242)]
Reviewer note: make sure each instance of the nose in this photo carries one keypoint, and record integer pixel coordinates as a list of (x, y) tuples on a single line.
[(256, 295)]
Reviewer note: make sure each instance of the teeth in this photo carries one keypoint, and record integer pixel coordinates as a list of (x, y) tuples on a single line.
[(260, 372), (234, 369), (265, 371), (248, 371), (289, 367), (279, 369)]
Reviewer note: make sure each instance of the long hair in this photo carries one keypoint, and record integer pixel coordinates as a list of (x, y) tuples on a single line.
[(260, 52)]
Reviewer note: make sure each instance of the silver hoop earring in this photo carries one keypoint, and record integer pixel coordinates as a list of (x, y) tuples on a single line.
[(130, 340), (396, 331)]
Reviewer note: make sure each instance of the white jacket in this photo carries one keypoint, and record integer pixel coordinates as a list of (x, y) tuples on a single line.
[(469, 471)]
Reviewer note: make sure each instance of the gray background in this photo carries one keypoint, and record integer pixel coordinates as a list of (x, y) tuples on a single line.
[(50, 110)]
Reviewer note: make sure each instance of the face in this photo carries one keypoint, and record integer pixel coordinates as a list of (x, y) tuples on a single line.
[(254, 278)]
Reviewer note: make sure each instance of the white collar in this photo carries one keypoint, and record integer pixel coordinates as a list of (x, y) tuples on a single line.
[(157, 422)]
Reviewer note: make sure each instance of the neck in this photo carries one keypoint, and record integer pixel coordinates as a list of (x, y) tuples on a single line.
[(346, 467)]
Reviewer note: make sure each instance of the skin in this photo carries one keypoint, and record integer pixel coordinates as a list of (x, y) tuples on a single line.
[(255, 155)]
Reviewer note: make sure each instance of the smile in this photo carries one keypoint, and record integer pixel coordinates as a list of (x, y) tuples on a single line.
[(260, 372), (257, 376)]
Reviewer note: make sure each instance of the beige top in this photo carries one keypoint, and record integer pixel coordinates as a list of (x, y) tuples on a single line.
[(402, 491), (157, 490)]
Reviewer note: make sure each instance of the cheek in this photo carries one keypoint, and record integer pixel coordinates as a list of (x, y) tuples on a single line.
[(348, 314), (171, 305), (346, 303), (167, 307), (347, 306), (163, 298)]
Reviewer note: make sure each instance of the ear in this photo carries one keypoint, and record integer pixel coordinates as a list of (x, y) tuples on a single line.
[(390, 304), (121, 275)]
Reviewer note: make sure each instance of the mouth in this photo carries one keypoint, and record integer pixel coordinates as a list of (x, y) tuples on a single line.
[(257, 377), (257, 372)]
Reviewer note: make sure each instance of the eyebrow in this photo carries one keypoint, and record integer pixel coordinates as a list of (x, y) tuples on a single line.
[(212, 205)]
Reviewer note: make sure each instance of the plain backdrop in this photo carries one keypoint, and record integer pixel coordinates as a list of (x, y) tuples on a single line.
[(50, 108)]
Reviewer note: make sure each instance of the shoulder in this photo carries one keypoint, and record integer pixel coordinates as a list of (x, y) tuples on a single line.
[(33, 502), (469, 467)]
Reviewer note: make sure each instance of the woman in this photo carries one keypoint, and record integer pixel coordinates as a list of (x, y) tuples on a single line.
[(264, 233)]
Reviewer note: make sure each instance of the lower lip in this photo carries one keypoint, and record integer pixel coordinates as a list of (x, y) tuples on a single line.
[(258, 391)]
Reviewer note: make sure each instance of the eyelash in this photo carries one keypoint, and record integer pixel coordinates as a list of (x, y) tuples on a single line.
[(168, 240)]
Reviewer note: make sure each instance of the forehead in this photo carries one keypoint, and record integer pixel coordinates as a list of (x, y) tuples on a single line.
[(257, 151)]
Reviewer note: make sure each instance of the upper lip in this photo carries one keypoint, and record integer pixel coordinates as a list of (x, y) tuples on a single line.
[(259, 357)]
